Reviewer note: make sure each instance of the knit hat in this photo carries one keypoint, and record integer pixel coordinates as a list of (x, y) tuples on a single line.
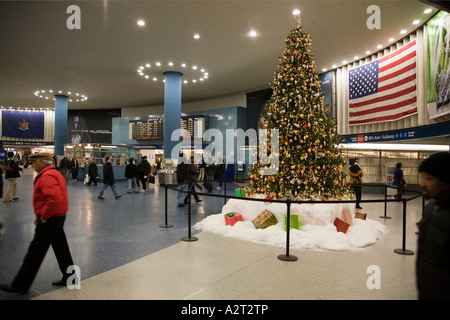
[(438, 165), (41, 156)]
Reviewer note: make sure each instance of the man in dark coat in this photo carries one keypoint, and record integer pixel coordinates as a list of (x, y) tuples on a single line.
[(433, 256), (108, 179)]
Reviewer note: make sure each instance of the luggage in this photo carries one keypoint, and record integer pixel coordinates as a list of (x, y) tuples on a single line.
[(208, 186), (151, 179)]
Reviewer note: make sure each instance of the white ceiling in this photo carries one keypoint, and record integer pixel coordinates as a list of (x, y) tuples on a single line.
[(39, 52)]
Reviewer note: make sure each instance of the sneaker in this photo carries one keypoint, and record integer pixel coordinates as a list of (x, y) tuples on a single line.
[(118, 197), (100, 197)]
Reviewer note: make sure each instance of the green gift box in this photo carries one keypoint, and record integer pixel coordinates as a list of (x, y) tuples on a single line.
[(294, 222), (240, 192)]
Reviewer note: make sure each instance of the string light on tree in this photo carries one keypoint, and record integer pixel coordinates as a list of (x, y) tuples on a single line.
[(310, 163)]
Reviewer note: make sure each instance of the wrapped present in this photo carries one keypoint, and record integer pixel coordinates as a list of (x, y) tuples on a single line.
[(294, 222), (341, 226), (264, 220), (360, 215), (232, 217), (240, 192)]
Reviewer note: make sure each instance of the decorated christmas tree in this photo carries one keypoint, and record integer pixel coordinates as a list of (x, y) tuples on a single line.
[(310, 165)]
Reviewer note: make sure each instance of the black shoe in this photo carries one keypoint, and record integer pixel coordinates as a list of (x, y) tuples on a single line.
[(181, 205), (10, 289), (199, 200), (118, 197), (100, 197), (59, 283)]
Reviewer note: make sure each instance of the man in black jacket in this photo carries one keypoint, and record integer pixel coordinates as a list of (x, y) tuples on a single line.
[(108, 179), (433, 256), (182, 179)]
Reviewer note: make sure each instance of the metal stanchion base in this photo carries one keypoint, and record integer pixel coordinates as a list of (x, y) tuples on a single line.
[(166, 225), (287, 257), (404, 251), (383, 217), (189, 239)]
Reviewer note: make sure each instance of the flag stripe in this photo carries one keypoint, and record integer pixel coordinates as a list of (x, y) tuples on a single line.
[(385, 89), (385, 118)]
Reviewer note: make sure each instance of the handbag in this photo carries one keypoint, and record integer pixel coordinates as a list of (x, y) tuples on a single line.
[(9, 168)]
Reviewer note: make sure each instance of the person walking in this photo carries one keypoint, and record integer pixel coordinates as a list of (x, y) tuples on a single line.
[(108, 179), (356, 175), (64, 167), (144, 171), (433, 254), (92, 172), (12, 172), (50, 204), (399, 181), (74, 167), (193, 174), (131, 174)]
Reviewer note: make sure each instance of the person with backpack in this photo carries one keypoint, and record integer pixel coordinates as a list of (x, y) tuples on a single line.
[(132, 174)]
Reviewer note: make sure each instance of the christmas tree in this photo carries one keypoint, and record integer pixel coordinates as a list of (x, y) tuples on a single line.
[(310, 165)]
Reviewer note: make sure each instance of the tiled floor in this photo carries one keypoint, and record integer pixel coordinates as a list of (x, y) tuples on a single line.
[(123, 253)]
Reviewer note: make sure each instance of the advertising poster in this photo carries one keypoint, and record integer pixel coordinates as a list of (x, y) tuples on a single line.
[(438, 65)]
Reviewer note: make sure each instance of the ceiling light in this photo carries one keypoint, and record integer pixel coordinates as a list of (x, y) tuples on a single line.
[(334, 66), (324, 69), (296, 12), (379, 46), (253, 33), (158, 64), (356, 57), (141, 23), (368, 52), (391, 39), (170, 63), (46, 97), (194, 67), (403, 31), (344, 61), (416, 22), (427, 10), (148, 65), (196, 36), (183, 65)]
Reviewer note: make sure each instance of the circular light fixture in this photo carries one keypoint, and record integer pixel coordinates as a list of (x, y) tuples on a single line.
[(48, 94), (154, 71), (252, 33), (196, 36), (141, 23), (296, 12)]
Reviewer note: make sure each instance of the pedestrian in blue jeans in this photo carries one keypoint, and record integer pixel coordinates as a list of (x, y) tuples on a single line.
[(108, 179)]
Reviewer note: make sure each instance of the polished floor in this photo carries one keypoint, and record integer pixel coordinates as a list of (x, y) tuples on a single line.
[(123, 253)]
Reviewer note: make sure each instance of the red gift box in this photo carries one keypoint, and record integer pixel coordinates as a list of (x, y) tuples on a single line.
[(232, 217), (360, 215), (341, 226)]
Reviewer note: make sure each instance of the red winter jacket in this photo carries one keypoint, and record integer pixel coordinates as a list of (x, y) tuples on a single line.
[(50, 197)]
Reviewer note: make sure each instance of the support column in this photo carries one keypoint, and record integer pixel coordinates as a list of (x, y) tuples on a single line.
[(60, 123), (172, 109)]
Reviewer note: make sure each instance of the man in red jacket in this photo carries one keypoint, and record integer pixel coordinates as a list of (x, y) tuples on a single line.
[(50, 203)]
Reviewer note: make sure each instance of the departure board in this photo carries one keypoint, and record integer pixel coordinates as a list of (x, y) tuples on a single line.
[(153, 128)]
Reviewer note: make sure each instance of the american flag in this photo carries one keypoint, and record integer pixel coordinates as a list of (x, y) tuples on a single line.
[(385, 89)]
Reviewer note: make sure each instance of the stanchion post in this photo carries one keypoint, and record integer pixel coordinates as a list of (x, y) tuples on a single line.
[(225, 191), (385, 203), (165, 225), (189, 238), (287, 257), (403, 250)]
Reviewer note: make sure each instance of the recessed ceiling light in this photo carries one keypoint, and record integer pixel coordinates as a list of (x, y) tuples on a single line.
[(403, 31), (158, 64), (379, 46), (416, 22), (356, 57), (296, 12), (196, 36), (427, 10), (344, 61), (324, 69), (141, 23), (391, 39), (334, 66), (170, 63), (148, 65), (183, 65), (253, 33), (368, 52), (194, 67)]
